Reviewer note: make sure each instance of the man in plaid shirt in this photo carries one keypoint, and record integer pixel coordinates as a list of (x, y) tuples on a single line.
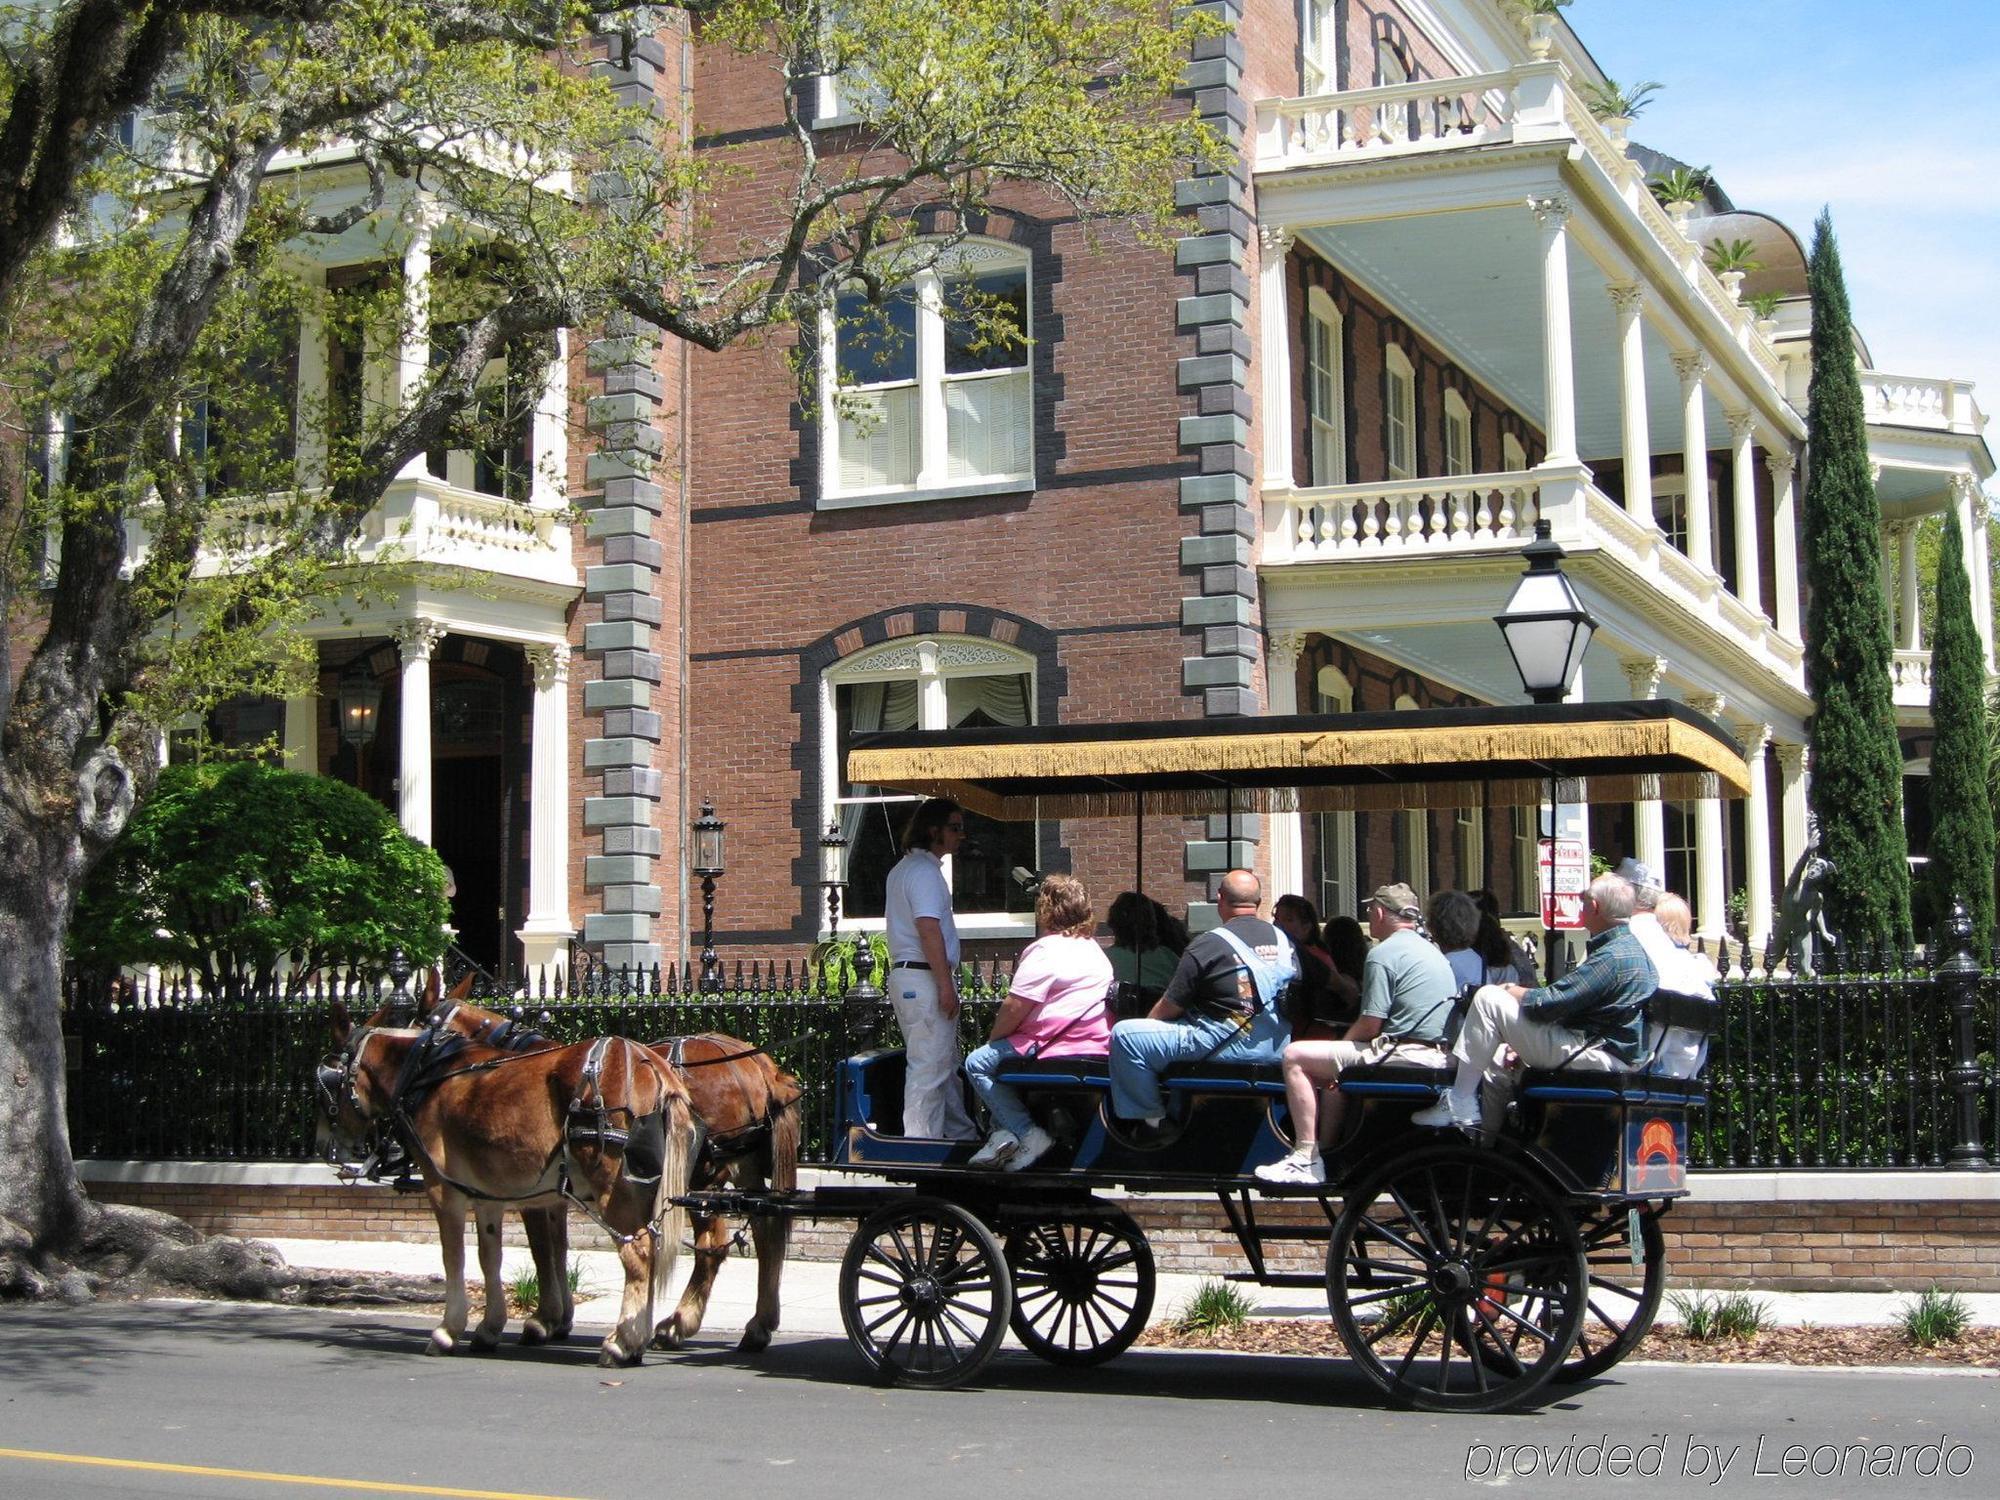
[(1594, 1017)]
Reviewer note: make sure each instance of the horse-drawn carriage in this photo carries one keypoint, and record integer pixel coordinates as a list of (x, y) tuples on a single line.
[(1460, 1276)]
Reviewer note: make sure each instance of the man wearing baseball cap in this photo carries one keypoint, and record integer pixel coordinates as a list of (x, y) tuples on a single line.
[(1407, 989)]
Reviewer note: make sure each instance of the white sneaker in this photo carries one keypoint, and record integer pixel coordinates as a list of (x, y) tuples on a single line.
[(1444, 1115), (1000, 1146), (1294, 1171), (1032, 1148)]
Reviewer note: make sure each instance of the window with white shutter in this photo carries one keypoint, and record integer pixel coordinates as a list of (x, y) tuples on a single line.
[(1457, 434), (932, 392), (1325, 410)]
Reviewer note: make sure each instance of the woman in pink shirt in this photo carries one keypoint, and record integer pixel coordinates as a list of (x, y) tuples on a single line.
[(1054, 1008)]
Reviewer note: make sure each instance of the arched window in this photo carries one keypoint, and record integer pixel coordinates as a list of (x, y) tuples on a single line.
[(1325, 389), (1513, 457), (932, 392), (932, 682), (1457, 433), (1333, 832), (1399, 413)]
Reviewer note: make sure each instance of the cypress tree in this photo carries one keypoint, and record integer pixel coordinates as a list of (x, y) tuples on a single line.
[(1857, 766), (1961, 811)]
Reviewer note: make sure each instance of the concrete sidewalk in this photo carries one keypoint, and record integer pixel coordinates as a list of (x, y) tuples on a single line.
[(811, 1298)]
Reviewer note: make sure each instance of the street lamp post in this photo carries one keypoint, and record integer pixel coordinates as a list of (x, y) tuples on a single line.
[(1547, 630), (360, 699), (706, 860), (833, 872)]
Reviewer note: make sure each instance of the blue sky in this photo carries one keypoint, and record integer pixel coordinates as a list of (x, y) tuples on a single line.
[(1882, 111)]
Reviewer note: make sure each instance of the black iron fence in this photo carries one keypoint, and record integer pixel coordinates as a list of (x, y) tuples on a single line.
[(161, 1073), (1875, 1062)]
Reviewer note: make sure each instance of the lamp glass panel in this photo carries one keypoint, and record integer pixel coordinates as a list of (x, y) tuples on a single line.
[(1541, 650)]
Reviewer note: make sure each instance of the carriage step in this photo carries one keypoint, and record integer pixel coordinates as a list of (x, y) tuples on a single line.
[(1313, 1279)]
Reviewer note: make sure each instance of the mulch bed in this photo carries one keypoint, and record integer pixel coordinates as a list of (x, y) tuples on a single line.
[(1979, 1348)]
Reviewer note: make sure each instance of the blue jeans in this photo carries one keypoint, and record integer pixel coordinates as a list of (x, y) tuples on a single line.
[(1141, 1051), (1002, 1101)]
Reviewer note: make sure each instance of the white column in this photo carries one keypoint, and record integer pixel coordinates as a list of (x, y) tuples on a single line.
[(1792, 759), (413, 356), (1691, 365), (1281, 691), (1743, 478), (1981, 564), (1711, 911), (1909, 616), (1784, 539), (546, 933), (302, 733), (1558, 371), (1969, 503), (931, 420), (309, 421), (1274, 351), (1756, 833), (417, 639), (1649, 815), (1638, 439)]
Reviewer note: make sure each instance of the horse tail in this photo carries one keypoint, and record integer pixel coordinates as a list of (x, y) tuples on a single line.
[(678, 1160), (785, 1130)]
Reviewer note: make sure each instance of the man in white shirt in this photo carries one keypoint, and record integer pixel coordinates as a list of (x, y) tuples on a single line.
[(923, 969), (1680, 1051)]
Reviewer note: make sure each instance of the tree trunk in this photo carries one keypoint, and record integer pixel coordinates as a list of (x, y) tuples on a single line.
[(41, 1201)]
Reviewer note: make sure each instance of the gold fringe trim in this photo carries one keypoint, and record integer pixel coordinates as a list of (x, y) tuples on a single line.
[(952, 770)]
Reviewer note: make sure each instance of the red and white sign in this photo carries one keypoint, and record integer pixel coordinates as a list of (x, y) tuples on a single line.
[(1563, 869)]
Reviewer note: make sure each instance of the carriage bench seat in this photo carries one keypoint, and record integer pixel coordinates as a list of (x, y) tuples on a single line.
[(1580, 1086), (1056, 1072), (1391, 1080), (1223, 1078)]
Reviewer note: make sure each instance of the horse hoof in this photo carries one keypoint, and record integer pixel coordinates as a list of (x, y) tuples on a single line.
[(668, 1335), (610, 1357), (754, 1341), (439, 1342), (533, 1333), (485, 1343)]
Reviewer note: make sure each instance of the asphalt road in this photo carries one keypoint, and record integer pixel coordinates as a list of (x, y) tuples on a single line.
[(259, 1402)]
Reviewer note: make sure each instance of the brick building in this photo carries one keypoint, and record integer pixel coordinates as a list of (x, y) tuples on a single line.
[(1288, 467)]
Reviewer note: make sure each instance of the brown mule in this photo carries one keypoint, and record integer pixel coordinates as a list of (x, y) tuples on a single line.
[(603, 1122), (749, 1108)]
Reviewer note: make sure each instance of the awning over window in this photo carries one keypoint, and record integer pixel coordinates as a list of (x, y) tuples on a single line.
[(1423, 758)]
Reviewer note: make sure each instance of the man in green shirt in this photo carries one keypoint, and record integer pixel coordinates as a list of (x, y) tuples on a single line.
[(1406, 992)]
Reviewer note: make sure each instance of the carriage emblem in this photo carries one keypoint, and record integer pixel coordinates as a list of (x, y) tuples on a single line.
[(1655, 1155)]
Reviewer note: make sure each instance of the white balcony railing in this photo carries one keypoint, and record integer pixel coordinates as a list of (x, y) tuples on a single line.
[(1910, 679), (1533, 102), (1475, 515), (420, 521), (1465, 514), (1912, 401)]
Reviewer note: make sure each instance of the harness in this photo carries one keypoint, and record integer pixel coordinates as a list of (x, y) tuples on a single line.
[(716, 1151)]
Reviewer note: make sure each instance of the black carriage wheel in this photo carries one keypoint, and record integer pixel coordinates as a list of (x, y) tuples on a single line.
[(925, 1294), (1619, 1314), (1456, 1279), (1083, 1287)]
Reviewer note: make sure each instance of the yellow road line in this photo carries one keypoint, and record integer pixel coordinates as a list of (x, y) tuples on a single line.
[(373, 1486)]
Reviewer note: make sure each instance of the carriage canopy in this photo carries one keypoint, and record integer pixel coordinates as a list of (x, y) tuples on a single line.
[(1414, 759)]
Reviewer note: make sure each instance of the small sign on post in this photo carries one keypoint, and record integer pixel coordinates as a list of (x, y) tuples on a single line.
[(1563, 870)]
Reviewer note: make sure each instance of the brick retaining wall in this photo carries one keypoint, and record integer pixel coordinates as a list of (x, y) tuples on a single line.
[(1866, 1233)]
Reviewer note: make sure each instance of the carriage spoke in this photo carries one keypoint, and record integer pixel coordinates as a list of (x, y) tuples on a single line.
[(1422, 1257)]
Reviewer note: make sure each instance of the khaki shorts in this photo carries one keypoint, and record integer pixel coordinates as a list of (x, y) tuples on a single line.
[(1327, 1060)]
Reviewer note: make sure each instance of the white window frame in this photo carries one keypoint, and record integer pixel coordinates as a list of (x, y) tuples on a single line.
[(1416, 826), (1670, 499), (1399, 413), (1680, 821), (932, 384), (1457, 433), (1339, 882), (1513, 454), (1318, 47), (932, 660), (1469, 845), (1391, 68), (1528, 859), (1326, 388)]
